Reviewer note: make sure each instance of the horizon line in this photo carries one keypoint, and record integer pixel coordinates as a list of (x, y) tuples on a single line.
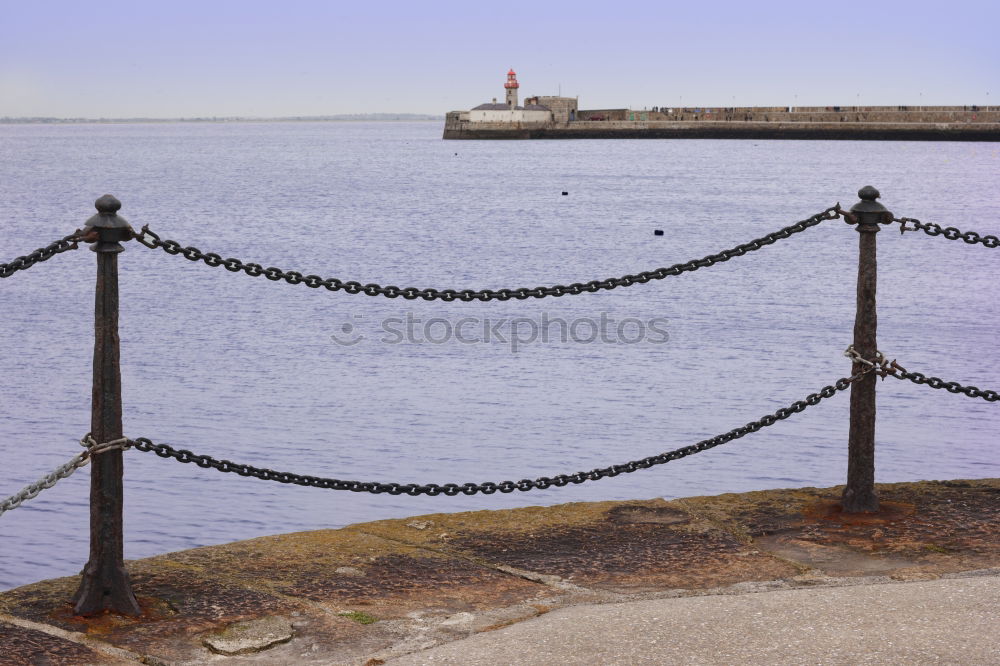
[(328, 117)]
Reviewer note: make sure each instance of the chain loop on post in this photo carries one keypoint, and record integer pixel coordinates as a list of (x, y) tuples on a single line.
[(152, 240), (94, 448), (881, 366)]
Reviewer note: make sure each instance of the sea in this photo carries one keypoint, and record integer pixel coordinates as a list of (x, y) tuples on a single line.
[(412, 391)]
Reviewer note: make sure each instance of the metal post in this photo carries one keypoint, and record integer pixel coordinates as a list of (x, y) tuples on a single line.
[(859, 494), (105, 583)]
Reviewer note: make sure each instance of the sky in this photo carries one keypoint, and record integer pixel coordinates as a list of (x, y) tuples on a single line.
[(140, 58)]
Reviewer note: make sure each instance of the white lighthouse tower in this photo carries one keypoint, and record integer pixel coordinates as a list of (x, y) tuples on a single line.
[(512, 85)]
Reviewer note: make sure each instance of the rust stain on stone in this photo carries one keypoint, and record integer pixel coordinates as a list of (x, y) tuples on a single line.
[(929, 527), (107, 622), (832, 511)]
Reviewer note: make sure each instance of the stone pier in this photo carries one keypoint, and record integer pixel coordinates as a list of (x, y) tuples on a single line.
[(369, 593)]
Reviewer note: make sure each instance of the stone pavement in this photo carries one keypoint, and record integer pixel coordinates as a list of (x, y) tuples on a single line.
[(377, 592), (950, 621)]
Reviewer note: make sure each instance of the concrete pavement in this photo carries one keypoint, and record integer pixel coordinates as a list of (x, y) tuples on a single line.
[(948, 621)]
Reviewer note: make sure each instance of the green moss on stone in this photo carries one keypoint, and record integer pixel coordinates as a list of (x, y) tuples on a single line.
[(359, 616)]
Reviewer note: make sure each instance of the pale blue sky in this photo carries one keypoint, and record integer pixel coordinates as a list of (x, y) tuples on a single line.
[(307, 57)]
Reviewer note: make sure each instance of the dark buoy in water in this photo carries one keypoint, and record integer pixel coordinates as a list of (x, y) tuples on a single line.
[(657, 232), (565, 194)]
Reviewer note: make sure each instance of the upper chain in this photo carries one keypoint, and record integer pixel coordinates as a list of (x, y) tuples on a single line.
[(951, 233), (41, 254), (152, 240)]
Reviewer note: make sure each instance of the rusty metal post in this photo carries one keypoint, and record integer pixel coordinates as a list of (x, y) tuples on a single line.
[(859, 494), (105, 583)]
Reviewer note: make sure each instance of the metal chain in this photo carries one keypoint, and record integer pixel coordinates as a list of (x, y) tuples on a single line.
[(488, 488), (952, 387), (883, 368), (152, 240), (41, 254), (951, 233), (63, 471), (31, 491)]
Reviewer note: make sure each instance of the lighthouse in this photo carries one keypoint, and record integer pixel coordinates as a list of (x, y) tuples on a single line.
[(511, 86), (537, 112)]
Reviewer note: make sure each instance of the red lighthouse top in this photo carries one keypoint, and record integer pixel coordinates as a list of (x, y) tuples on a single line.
[(511, 80)]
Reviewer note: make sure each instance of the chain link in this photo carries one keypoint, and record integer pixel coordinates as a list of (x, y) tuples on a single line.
[(41, 254), (152, 240), (951, 233), (488, 488)]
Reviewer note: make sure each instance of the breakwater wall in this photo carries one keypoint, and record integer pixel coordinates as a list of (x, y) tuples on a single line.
[(830, 114), (724, 130), (865, 124)]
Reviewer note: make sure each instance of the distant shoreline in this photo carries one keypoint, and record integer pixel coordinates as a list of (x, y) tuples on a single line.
[(363, 117)]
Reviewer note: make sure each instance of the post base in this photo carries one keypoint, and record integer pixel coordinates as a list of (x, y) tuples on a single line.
[(853, 501), (105, 588)]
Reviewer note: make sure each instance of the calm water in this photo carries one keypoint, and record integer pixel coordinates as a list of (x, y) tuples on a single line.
[(246, 369)]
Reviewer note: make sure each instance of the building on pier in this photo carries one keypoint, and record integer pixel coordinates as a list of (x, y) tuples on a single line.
[(541, 109)]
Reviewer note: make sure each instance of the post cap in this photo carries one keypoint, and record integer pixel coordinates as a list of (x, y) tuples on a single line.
[(107, 214), (868, 203), (868, 193), (110, 227), (108, 205)]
